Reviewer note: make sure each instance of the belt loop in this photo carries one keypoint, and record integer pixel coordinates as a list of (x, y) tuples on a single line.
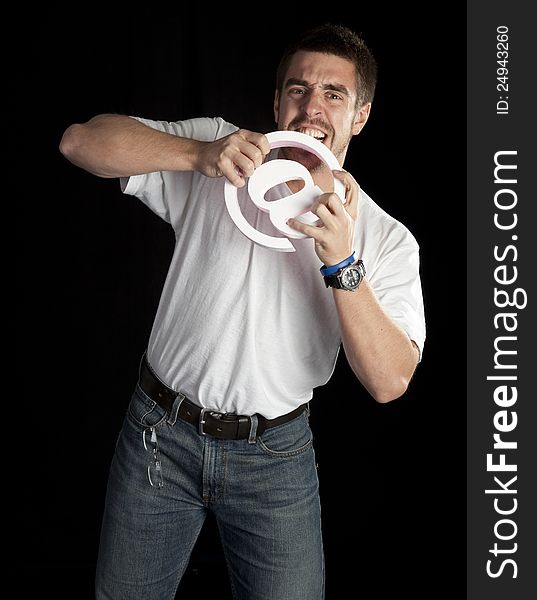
[(307, 409), (175, 409), (253, 429)]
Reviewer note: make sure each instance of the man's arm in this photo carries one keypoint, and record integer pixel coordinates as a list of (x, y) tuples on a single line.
[(120, 146), (379, 352)]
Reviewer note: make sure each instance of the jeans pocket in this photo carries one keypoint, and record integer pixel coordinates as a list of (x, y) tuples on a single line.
[(287, 440), (143, 412)]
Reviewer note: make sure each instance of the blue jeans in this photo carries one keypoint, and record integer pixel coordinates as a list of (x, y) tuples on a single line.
[(164, 478)]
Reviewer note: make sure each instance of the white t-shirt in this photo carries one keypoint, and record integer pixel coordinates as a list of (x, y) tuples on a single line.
[(241, 328)]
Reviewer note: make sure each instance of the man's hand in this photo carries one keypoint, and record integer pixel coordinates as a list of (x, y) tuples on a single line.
[(334, 233), (235, 156)]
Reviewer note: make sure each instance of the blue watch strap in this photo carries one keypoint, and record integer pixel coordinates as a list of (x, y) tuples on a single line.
[(325, 271)]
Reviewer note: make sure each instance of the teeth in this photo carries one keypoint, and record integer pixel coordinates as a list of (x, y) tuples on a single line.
[(314, 133)]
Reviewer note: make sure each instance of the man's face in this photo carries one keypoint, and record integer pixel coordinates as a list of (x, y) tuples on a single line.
[(318, 98)]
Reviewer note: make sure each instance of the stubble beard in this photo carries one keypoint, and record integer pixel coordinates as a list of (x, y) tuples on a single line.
[(309, 160)]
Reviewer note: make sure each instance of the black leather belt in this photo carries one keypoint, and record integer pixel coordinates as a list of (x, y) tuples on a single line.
[(225, 426)]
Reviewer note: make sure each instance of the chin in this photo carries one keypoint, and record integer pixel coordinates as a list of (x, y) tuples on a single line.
[(304, 157)]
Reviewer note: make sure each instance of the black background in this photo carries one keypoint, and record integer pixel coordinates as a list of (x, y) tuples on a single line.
[(93, 263)]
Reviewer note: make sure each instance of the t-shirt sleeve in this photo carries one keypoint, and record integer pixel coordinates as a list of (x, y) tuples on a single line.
[(397, 284), (167, 192)]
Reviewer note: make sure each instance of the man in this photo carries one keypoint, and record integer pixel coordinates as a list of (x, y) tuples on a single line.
[(219, 418)]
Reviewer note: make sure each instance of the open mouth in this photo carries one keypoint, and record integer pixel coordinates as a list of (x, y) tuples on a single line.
[(314, 133)]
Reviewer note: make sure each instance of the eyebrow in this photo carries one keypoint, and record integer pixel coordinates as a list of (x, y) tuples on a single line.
[(335, 87)]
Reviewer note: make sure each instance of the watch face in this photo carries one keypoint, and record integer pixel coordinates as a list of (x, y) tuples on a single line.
[(351, 277)]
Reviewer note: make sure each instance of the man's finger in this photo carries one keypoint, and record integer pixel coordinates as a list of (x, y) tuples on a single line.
[(326, 209), (352, 190), (333, 203), (313, 232), (257, 139), (234, 175)]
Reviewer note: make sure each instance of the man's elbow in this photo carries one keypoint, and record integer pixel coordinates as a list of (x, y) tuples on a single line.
[(390, 390), (71, 141), (395, 383), (390, 387)]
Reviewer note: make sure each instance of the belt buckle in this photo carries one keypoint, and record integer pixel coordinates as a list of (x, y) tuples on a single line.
[(201, 422), (224, 417)]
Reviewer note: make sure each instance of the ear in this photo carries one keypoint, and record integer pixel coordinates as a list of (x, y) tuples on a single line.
[(361, 118), (276, 106)]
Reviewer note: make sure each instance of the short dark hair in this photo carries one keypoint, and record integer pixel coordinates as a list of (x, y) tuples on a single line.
[(340, 41)]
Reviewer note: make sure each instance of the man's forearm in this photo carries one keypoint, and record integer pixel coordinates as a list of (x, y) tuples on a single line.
[(379, 352), (120, 146)]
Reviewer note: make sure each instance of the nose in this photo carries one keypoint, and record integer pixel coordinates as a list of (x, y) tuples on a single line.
[(311, 104)]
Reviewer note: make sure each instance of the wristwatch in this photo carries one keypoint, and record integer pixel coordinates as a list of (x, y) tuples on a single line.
[(347, 278)]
